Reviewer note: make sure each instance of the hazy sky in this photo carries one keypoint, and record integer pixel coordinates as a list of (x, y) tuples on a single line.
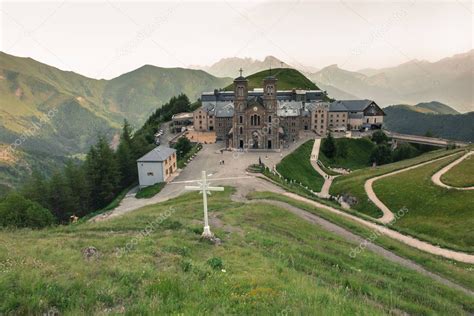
[(103, 39)]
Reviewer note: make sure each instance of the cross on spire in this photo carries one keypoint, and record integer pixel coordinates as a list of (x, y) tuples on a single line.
[(204, 188), (240, 70)]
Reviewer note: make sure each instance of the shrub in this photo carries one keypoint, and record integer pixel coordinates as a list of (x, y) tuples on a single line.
[(215, 263), (183, 146), (404, 151), (381, 155), (17, 211), (379, 137)]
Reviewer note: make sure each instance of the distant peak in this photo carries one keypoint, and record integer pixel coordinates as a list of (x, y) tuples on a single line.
[(331, 67)]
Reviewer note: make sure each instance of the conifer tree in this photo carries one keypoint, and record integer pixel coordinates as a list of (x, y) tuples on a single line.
[(60, 197), (79, 186), (103, 173), (329, 147), (126, 154)]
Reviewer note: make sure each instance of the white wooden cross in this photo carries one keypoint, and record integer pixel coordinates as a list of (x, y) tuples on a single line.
[(205, 189)]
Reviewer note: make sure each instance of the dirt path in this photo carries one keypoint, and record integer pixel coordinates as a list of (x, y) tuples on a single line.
[(233, 174), (436, 178), (408, 240), (387, 213), (356, 239), (314, 162)]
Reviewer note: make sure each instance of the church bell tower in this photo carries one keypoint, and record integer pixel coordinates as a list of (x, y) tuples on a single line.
[(271, 118), (240, 105)]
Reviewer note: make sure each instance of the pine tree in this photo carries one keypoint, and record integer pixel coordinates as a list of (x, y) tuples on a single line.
[(126, 157), (61, 197), (103, 173), (36, 189), (329, 147), (79, 186)]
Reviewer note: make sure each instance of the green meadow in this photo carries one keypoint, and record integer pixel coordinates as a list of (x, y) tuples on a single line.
[(296, 166), (152, 261), (353, 183), (357, 154), (461, 175), (441, 216)]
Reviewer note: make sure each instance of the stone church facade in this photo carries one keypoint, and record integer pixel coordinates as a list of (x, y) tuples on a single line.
[(268, 119), (255, 123)]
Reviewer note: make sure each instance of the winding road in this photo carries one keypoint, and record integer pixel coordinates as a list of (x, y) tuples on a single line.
[(387, 213), (436, 178), (233, 173), (328, 179)]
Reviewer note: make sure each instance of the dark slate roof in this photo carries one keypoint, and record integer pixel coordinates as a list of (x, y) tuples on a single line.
[(299, 95), (350, 105), (337, 106), (157, 154), (224, 110)]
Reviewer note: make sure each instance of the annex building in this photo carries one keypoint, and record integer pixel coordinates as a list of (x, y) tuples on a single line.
[(268, 118)]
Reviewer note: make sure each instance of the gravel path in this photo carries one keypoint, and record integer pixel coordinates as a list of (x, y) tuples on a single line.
[(436, 178), (387, 213), (407, 240), (357, 240), (233, 174), (314, 162)]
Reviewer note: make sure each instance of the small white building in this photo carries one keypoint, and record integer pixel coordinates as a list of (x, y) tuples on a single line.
[(156, 166)]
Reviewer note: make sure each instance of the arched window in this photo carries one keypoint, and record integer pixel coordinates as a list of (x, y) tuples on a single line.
[(240, 91), (241, 130), (258, 120), (241, 119), (251, 120), (269, 131), (269, 119)]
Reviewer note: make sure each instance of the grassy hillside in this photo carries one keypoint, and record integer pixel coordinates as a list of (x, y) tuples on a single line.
[(353, 184), (66, 111), (296, 166), (461, 175), (287, 79), (429, 108), (139, 92), (358, 153), (458, 272), (435, 108), (403, 120), (435, 214), (270, 262)]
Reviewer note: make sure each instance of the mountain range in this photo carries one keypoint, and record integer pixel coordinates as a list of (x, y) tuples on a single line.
[(48, 111), (229, 67), (54, 115), (449, 80)]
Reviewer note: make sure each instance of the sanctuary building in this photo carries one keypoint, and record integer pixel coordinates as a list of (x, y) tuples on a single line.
[(268, 118)]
